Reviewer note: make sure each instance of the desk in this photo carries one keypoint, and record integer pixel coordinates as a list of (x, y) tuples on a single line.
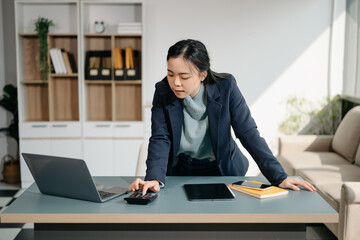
[(170, 209)]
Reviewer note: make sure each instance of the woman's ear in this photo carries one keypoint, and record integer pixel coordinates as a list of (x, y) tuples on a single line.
[(203, 75)]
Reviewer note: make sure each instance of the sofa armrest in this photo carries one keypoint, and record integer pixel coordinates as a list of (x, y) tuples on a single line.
[(349, 215), (301, 143)]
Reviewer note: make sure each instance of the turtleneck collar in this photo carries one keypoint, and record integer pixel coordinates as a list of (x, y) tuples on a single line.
[(196, 106)]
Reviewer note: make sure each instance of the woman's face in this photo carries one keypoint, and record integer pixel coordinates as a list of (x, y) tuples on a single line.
[(183, 77)]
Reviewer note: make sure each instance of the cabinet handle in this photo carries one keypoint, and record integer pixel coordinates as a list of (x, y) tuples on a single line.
[(59, 125), (123, 125), (102, 125), (39, 126)]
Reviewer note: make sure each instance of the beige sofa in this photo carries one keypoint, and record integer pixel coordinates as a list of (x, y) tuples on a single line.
[(332, 164)]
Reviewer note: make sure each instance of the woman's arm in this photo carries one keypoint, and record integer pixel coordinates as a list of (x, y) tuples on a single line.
[(246, 130), (159, 144)]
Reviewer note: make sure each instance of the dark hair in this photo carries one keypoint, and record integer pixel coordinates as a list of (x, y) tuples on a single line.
[(195, 52)]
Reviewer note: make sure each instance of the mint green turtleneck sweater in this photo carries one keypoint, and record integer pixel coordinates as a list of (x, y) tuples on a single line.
[(195, 135)]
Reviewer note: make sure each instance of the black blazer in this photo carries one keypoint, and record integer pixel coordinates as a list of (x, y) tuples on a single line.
[(226, 107)]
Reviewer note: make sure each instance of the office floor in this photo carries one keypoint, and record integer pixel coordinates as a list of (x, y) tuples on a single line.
[(10, 231), (21, 231)]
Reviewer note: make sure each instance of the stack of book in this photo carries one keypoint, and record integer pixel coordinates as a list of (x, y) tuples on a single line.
[(270, 192), (129, 28), (62, 61)]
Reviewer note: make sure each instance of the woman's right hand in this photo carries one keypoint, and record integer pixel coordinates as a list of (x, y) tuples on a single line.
[(152, 185)]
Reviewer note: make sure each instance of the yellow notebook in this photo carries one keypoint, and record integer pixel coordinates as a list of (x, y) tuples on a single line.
[(271, 192)]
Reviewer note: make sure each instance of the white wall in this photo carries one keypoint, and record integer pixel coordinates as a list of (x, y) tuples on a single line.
[(3, 114), (273, 48), (351, 84), (7, 70), (10, 56)]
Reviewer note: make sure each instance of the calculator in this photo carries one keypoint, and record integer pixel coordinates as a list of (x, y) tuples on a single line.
[(138, 198)]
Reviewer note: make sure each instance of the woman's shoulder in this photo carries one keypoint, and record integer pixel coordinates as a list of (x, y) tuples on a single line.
[(224, 79), (162, 86)]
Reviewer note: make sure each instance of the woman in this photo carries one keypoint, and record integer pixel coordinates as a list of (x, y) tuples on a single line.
[(193, 111)]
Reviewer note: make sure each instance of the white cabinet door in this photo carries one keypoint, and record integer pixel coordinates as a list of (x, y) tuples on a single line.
[(98, 154), (71, 148), (65, 129), (34, 129), (98, 129), (36, 147), (128, 129), (126, 155)]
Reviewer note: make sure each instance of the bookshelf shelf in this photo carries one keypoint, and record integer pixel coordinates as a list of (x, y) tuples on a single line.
[(97, 35), (50, 34), (106, 35), (63, 35), (126, 35), (27, 34), (98, 81), (130, 82), (34, 82), (55, 75)]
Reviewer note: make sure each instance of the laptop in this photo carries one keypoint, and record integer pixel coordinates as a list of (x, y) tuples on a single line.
[(68, 177)]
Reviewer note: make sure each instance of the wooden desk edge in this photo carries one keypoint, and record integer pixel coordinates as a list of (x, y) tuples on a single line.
[(169, 218)]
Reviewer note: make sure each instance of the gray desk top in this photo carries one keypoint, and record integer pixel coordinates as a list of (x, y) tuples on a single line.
[(171, 206)]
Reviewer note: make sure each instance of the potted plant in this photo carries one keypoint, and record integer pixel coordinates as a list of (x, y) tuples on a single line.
[(42, 28), (305, 118), (11, 170)]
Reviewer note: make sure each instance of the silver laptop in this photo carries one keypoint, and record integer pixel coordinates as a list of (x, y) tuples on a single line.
[(68, 177)]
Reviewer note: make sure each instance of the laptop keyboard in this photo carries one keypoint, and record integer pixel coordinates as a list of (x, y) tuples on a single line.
[(105, 195)]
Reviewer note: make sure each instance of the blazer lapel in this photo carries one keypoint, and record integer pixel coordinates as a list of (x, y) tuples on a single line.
[(176, 116), (214, 113)]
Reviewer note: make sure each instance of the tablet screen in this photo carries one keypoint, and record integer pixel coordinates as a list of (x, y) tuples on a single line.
[(212, 191)]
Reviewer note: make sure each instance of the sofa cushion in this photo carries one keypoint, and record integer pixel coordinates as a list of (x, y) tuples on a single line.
[(331, 192), (357, 157), (347, 136), (330, 174), (293, 161)]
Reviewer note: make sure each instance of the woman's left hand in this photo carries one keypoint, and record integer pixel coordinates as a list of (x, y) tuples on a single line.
[(292, 182)]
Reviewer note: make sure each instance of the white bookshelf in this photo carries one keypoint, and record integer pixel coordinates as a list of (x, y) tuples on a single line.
[(69, 115)]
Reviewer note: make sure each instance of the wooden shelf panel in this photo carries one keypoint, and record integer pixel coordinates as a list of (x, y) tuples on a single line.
[(26, 82), (98, 44), (107, 35), (127, 35), (30, 58), (98, 35), (128, 102), (73, 75), (50, 35), (98, 81), (28, 35), (99, 103), (37, 102), (73, 35), (65, 104), (128, 82), (123, 42), (117, 82)]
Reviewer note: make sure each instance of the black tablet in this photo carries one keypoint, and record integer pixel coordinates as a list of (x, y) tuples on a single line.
[(206, 192)]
